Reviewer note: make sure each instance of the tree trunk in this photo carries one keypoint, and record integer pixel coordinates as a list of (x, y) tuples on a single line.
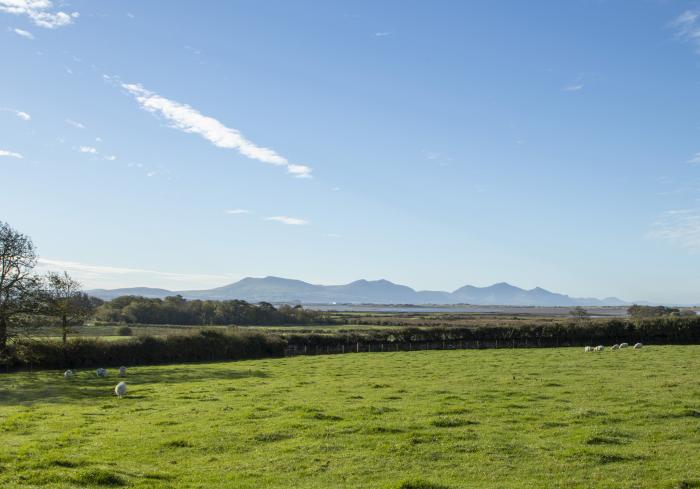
[(64, 327), (3, 334)]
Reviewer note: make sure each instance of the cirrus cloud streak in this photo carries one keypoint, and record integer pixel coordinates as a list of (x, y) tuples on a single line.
[(680, 227), (291, 221), (187, 119), (10, 154)]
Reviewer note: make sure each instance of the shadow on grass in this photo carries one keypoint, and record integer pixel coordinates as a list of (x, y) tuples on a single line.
[(51, 387)]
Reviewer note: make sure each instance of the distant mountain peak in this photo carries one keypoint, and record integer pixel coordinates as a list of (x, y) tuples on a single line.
[(504, 285)]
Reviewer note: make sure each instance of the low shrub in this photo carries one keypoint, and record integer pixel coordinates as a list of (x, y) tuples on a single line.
[(125, 331)]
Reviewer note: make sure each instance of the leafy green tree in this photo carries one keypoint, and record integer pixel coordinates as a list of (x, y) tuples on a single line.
[(19, 286), (66, 302), (579, 313)]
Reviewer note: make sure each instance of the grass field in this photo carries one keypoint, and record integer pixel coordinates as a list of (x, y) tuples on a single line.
[(522, 418)]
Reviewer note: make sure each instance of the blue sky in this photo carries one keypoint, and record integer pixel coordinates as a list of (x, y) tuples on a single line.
[(434, 144)]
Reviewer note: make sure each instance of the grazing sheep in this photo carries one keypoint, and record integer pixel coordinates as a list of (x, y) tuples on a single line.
[(101, 372), (588, 348), (615, 347), (624, 345), (122, 371), (68, 374), (120, 390), (637, 346), (599, 348)]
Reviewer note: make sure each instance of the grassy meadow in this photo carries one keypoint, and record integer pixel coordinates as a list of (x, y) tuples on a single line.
[(435, 419)]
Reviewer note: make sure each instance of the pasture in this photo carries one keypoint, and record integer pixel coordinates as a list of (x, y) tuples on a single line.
[(466, 419)]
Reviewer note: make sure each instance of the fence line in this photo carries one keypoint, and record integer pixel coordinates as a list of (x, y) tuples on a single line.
[(385, 346)]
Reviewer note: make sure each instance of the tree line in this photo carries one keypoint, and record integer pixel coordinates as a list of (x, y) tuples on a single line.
[(177, 310)]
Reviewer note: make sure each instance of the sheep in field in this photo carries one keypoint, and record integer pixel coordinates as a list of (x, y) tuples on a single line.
[(120, 390), (599, 348), (101, 372), (588, 348), (68, 374), (637, 346), (615, 347), (624, 345), (122, 371)]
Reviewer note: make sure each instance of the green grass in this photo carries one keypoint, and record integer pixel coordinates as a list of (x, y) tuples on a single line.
[(527, 418)]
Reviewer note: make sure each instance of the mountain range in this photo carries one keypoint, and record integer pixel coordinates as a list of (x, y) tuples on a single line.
[(276, 289)]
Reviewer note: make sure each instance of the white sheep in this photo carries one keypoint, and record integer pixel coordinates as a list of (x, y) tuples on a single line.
[(615, 347), (624, 345), (120, 390), (68, 374), (588, 348), (599, 348), (122, 371), (637, 346), (101, 372)]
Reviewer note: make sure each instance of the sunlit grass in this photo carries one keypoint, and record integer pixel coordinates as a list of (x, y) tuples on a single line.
[(438, 419)]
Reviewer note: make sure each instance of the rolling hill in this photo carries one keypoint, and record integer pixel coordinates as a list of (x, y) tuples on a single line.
[(276, 289)]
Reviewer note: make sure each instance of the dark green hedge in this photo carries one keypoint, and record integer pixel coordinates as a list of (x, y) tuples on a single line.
[(203, 346), (667, 330)]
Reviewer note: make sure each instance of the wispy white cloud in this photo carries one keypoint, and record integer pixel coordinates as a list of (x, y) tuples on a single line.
[(41, 12), (22, 115), (438, 158), (75, 124), (299, 171), (574, 87), (103, 275), (695, 160), (292, 221), (110, 157), (687, 28), (187, 119), (23, 33), (237, 211), (382, 34), (88, 149), (10, 154), (680, 227)]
